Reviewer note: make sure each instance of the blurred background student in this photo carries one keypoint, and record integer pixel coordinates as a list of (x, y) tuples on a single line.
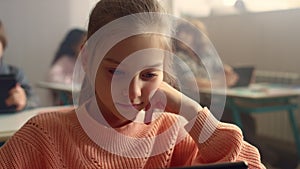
[(199, 42), (63, 64), (20, 96)]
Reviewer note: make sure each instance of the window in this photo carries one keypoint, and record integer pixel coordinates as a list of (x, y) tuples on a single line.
[(202, 8)]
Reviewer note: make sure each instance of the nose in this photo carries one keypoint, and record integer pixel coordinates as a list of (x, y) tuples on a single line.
[(135, 88)]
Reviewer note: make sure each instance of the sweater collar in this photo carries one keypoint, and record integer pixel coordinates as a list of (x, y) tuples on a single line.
[(134, 140)]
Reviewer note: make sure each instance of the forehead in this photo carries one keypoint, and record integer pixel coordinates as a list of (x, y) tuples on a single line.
[(133, 44)]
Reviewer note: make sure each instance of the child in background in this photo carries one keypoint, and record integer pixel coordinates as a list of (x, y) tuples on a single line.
[(62, 66), (198, 40), (21, 95), (130, 116)]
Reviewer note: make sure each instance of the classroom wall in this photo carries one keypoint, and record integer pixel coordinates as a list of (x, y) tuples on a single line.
[(268, 40), (35, 29)]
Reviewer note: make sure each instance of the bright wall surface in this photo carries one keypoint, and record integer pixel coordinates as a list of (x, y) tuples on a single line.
[(35, 30)]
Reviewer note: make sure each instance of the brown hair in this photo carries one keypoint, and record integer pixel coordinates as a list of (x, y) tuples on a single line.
[(107, 11), (3, 39)]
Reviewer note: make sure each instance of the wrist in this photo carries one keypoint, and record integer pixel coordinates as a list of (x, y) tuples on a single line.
[(189, 108)]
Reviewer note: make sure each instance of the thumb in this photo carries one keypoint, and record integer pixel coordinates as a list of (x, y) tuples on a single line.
[(158, 100)]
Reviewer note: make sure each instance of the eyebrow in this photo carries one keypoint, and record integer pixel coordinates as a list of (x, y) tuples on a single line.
[(155, 65), (117, 62), (111, 60)]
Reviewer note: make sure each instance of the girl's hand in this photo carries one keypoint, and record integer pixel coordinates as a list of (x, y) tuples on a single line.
[(175, 101), (17, 97), (231, 76)]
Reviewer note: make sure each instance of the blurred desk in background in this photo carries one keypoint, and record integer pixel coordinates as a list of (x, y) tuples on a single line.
[(263, 98), (63, 91), (264, 91), (58, 86), (11, 122)]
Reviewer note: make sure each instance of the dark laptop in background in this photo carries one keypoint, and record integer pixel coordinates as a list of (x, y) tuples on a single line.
[(229, 165), (7, 82), (245, 74)]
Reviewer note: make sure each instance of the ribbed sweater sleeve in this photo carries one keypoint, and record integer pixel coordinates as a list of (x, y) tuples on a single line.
[(221, 142), (49, 141), (28, 148)]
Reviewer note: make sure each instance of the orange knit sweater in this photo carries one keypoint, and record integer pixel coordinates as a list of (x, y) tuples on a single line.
[(57, 140)]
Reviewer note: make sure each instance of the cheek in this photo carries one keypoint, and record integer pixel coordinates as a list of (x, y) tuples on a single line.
[(153, 85)]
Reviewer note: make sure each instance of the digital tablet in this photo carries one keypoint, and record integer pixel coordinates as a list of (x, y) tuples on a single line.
[(245, 74), (7, 82), (229, 165)]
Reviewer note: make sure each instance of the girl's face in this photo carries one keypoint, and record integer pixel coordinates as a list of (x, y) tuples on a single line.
[(127, 77)]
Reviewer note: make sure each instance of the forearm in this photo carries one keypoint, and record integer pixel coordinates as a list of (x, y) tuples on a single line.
[(220, 142), (215, 140)]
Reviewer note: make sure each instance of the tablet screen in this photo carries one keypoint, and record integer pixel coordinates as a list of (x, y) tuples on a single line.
[(7, 82), (245, 76)]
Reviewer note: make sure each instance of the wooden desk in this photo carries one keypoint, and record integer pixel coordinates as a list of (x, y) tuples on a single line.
[(58, 86), (264, 98), (10, 123)]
